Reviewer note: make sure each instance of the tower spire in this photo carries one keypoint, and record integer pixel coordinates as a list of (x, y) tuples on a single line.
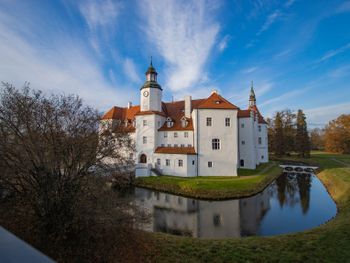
[(252, 99)]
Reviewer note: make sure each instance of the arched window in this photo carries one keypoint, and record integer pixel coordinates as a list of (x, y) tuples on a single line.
[(215, 144), (143, 158)]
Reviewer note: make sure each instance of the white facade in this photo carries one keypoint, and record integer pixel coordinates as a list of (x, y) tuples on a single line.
[(207, 137)]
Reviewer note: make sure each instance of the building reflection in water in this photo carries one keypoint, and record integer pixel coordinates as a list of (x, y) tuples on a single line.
[(217, 219)]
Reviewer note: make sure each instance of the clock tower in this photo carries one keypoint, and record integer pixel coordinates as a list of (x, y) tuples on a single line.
[(151, 91)]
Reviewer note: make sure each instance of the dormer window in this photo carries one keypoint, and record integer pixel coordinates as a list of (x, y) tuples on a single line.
[(169, 122)]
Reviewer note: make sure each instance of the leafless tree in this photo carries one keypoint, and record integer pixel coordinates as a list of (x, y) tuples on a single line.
[(49, 149)]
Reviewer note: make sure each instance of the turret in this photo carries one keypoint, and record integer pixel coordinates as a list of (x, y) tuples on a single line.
[(151, 91)]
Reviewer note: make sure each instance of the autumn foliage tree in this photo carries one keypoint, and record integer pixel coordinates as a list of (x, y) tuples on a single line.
[(337, 135), (317, 139)]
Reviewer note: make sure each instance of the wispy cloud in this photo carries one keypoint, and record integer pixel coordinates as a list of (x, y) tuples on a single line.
[(64, 67), (322, 115), (184, 34), (99, 13), (130, 70), (289, 3), (269, 21), (343, 7), (334, 52), (101, 17), (249, 70), (224, 43), (283, 53), (340, 72), (241, 98), (283, 97)]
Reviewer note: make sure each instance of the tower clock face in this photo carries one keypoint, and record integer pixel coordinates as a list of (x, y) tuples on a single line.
[(145, 93)]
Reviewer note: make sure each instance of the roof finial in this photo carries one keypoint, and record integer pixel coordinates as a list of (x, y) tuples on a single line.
[(151, 62)]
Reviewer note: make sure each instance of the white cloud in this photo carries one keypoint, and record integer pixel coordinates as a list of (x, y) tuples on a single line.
[(283, 97), (101, 17), (283, 53), (224, 43), (322, 115), (249, 70), (289, 3), (64, 67), (334, 52), (344, 7), (130, 70), (269, 21), (240, 97), (99, 13), (340, 72), (183, 34)]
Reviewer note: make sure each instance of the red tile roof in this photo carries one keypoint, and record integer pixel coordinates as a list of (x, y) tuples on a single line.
[(175, 110), (150, 113), (246, 114), (178, 126), (243, 114), (176, 150), (215, 101), (121, 113)]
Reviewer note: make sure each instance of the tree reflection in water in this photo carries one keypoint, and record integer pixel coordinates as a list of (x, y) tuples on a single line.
[(270, 212), (288, 187)]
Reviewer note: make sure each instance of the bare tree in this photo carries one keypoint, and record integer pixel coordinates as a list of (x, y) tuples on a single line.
[(49, 147)]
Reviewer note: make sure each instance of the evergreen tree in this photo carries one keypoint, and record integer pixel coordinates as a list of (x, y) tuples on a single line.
[(278, 135), (302, 139)]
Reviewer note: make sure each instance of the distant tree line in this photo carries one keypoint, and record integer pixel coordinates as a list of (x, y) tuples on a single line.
[(288, 133)]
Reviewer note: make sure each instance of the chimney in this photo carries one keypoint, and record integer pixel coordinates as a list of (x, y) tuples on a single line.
[(129, 104), (188, 100), (213, 91)]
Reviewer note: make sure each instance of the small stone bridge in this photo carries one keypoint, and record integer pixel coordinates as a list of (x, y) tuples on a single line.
[(298, 168)]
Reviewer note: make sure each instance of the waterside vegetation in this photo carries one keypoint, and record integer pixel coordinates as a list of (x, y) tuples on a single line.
[(327, 243), (247, 183)]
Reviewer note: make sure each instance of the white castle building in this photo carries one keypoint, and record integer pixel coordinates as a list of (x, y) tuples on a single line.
[(202, 137)]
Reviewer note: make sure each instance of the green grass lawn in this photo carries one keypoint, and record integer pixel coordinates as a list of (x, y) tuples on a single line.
[(329, 242), (247, 183)]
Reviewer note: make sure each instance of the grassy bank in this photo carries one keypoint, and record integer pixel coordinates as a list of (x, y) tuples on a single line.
[(248, 182), (327, 243)]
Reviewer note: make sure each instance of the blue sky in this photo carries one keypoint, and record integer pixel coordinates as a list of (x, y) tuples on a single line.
[(296, 52)]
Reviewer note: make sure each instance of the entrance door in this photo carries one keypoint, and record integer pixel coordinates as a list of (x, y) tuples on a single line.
[(242, 163), (143, 158)]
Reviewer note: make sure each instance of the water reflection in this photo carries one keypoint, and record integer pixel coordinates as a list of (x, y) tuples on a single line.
[(291, 203), (294, 189)]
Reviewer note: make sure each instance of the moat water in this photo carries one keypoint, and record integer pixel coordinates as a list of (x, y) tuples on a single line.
[(291, 203)]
